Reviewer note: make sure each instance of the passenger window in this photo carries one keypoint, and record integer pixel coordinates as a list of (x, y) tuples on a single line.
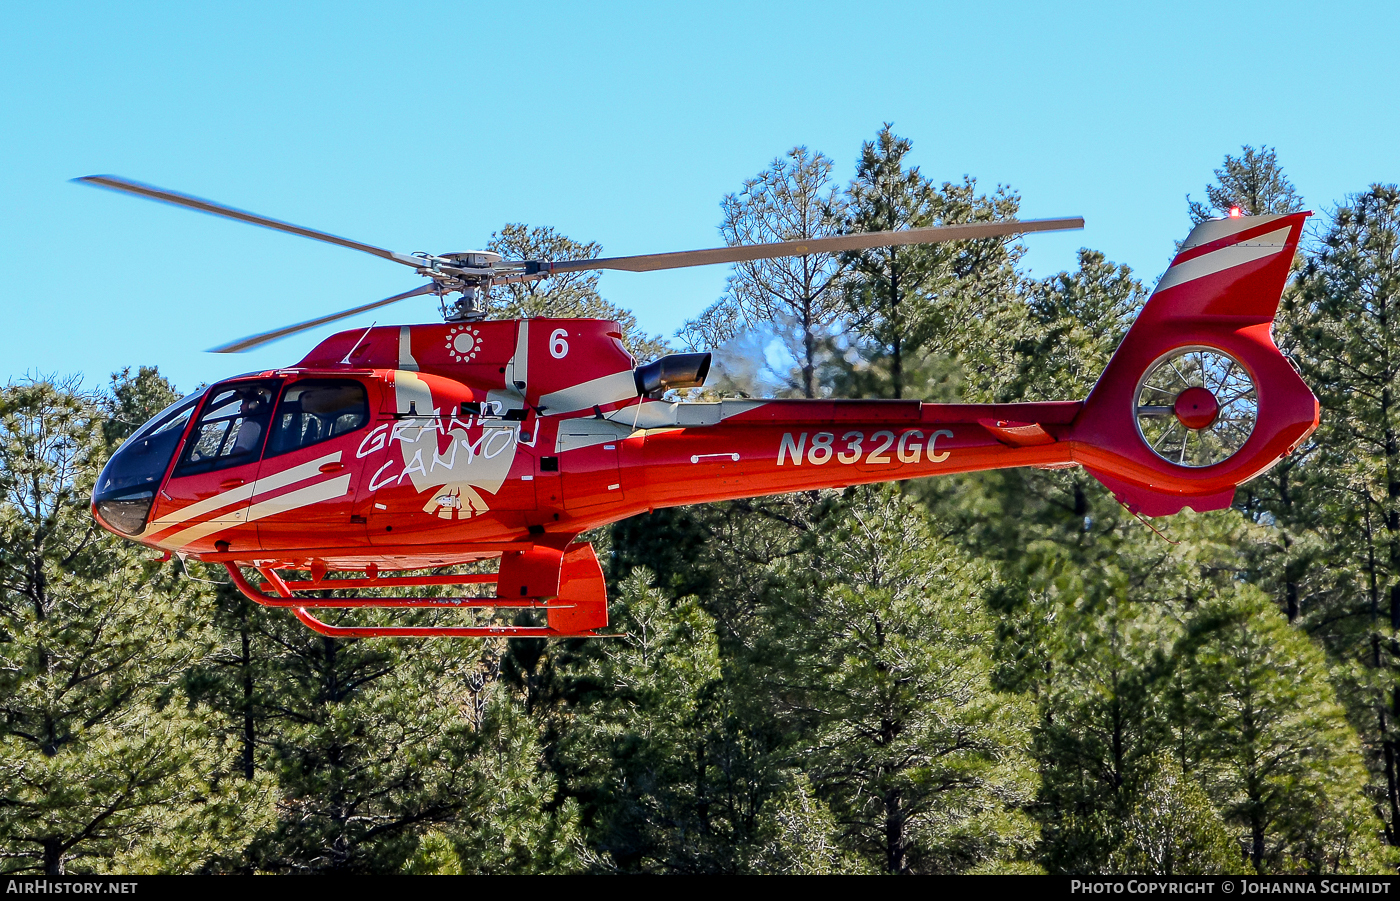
[(231, 430), (316, 410)]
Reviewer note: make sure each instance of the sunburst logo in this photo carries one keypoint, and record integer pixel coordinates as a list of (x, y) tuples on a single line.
[(463, 343)]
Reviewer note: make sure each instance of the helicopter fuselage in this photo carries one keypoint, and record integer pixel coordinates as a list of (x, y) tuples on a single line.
[(447, 456), (417, 447)]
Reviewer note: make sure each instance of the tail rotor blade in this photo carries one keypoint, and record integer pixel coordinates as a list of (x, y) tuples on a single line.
[(252, 341), (833, 244)]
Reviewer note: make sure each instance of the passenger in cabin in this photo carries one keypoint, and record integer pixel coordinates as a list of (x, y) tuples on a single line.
[(249, 438)]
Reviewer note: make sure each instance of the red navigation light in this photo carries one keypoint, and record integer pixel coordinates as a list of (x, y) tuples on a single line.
[(1236, 212)]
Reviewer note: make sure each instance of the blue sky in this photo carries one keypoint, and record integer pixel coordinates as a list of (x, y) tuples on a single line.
[(426, 126)]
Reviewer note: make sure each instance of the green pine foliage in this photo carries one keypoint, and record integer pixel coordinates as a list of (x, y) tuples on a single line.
[(801, 836), (1077, 319), (1003, 672), (511, 819), (908, 301), (795, 299), (103, 764), (1172, 829), (888, 675), (671, 779), (1344, 503), (1253, 182), (1260, 724), (566, 294)]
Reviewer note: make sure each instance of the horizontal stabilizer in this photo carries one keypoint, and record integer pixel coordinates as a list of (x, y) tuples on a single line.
[(1017, 434)]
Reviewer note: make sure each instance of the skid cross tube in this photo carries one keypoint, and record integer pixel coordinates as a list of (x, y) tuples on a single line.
[(377, 582), (316, 625), (286, 598)]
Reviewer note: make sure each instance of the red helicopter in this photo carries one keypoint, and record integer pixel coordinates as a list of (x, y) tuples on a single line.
[(423, 447)]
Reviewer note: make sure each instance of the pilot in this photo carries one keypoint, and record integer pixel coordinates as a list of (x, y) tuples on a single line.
[(250, 431)]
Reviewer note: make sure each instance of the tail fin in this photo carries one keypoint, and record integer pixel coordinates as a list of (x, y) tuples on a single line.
[(1197, 399)]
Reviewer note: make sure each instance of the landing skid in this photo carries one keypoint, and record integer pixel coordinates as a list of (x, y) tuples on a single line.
[(568, 585)]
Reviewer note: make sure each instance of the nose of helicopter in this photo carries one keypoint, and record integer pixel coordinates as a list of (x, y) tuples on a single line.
[(1196, 408), (126, 488)]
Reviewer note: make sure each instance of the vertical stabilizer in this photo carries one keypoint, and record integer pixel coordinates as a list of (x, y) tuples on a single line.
[(1198, 399)]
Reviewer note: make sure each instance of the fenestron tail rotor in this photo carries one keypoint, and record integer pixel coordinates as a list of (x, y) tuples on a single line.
[(1196, 406), (470, 274)]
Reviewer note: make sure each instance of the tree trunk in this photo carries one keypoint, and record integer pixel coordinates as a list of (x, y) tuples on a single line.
[(1290, 584), (896, 327), (53, 857), (249, 734), (895, 852), (1392, 790)]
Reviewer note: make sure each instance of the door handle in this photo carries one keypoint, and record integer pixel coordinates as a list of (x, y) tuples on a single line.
[(332, 467), (226, 484)]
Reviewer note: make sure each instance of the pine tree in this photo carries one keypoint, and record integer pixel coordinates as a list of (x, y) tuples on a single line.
[(1255, 183), (233, 677), (1261, 726), (794, 199), (1076, 323), (1252, 182), (133, 400), (100, 758), (903, 300), (511, 820), (1345, 309), (670, 774), (802, 837), (1103, 703), (1102, 724), (370, 743), (879, 651), (1172, 829), (564, 294)]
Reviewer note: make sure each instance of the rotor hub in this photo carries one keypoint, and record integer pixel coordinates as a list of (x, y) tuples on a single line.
[(1196, 408), (473, 259)]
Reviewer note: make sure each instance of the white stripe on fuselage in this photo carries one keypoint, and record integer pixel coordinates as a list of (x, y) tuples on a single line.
[(607, 389), (242, 493), (292, 500)]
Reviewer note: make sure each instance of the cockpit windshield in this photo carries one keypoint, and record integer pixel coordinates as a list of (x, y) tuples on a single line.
[(128, 483)]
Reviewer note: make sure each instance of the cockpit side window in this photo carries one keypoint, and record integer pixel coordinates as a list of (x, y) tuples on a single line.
[(316, 410), (231, 429)]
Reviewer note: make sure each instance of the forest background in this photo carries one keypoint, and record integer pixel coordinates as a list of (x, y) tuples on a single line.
[(1001, 672)]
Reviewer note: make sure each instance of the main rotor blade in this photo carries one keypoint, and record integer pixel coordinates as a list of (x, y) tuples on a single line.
[(862, 241), (150, 192), (253, 341)]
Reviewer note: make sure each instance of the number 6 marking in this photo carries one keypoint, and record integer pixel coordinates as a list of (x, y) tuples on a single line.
[(558, 347)]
